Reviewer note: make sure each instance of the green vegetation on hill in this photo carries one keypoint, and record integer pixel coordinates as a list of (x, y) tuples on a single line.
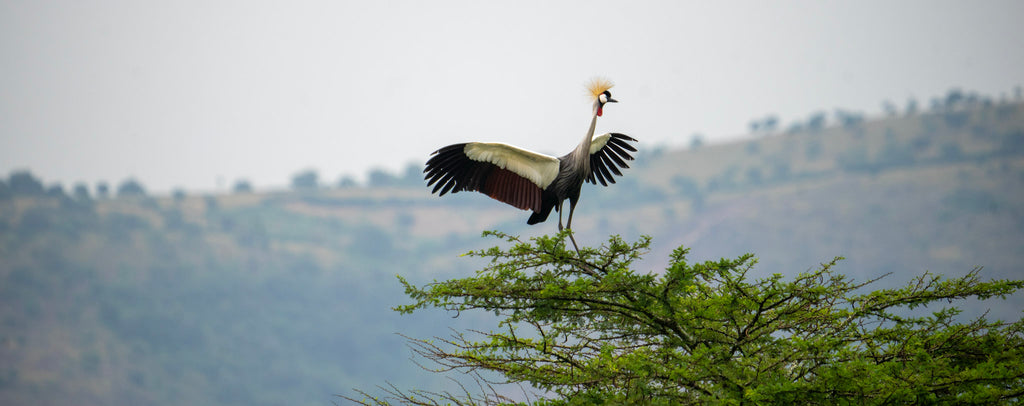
[(196, 301), (270, 298)]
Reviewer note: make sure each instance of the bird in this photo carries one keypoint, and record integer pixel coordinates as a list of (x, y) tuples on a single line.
[(530, 180)]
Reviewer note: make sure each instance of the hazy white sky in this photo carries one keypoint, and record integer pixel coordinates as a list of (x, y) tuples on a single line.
[(196, 94)]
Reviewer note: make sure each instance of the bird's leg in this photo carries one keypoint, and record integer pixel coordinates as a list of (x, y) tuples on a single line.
[(572, 208), (559, 210), (574, 243), (568, 225)]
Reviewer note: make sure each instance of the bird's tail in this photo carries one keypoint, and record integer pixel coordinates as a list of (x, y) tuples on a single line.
[(540, 216)]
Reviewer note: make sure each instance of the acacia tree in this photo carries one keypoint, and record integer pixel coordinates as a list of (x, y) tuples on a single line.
[(585, 328)]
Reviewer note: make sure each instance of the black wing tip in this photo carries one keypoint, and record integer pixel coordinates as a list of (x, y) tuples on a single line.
[(623, 136), (606, 163), (442, 168)]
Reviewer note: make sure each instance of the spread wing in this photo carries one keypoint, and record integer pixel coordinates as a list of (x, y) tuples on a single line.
[(506, 173), (608, 153)]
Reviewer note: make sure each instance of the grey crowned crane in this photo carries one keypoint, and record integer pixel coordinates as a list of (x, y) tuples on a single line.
[(529, 180)]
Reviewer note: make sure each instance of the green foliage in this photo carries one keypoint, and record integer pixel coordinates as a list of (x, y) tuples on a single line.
[(379, 177), (724, 181), (813, 148), (130, 187), (81, 192), (242, 186), (816, 121), (586, 328), (25, 184), (305, 180), (696, 141), (855, 159), (102, 190), (895, 154), (951, 151), (754, 176), (1012, 143), (686, 186)]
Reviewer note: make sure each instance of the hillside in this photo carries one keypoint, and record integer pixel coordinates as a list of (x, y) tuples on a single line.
[(284, 297)]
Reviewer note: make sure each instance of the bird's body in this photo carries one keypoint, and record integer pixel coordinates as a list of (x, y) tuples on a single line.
[(529, 180)]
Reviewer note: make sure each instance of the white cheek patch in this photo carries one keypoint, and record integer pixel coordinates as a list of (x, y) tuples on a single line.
[(603, 97)]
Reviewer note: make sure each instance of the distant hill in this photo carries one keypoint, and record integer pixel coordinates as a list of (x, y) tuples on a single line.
[(284, 297)]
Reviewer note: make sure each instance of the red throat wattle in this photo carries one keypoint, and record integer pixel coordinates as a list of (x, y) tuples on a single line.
[(599, 111)]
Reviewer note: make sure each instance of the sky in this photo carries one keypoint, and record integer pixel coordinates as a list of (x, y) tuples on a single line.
[(197, 95)]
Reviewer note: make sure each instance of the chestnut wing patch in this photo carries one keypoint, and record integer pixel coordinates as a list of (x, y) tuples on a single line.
[(505, 173)]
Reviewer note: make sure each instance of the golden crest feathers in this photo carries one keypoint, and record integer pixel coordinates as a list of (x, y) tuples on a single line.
[(598, 85)]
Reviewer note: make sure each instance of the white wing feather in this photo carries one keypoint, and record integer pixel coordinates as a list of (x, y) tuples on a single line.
[(538, 168), (598, 142)]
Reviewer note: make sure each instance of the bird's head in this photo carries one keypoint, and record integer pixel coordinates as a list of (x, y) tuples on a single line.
[(598, 89)]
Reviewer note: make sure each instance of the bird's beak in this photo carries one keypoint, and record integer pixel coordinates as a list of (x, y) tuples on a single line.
[(611, 100)]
